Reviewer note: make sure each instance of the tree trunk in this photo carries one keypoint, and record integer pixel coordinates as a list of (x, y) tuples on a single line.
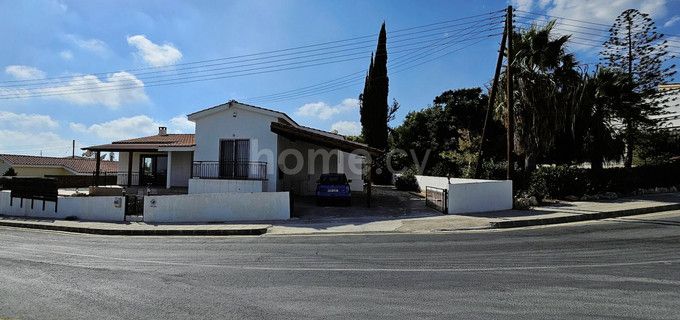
[(529, 164), (629, 146)]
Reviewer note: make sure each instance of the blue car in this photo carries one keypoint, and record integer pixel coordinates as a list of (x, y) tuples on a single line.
[(333, 187)]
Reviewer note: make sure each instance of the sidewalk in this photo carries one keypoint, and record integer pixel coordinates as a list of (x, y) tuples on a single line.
[(420, 220)]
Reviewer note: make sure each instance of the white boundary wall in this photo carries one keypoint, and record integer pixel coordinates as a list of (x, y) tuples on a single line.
[(471, 195), (85, 208), (216, 207), (200, 186), (468, 195), (437, 182)]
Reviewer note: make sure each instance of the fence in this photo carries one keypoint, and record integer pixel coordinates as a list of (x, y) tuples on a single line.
[(71, 181), (436, 198), (237, 170)]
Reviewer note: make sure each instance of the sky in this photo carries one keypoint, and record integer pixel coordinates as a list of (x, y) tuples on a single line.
[(100, 71)]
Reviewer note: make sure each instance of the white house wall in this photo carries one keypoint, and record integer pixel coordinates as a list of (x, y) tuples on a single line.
[(244, 125), (180, 168)]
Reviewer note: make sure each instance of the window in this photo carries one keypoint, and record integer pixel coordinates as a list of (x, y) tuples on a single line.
[(234, 158)]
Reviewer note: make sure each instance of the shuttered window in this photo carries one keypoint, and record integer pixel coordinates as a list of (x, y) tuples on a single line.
[(234, 158)]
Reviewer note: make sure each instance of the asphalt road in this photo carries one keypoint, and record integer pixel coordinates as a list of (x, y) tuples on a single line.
[(626, 268)]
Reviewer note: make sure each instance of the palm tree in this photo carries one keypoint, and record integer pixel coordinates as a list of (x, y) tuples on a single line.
[(548, 88), (607, 91)]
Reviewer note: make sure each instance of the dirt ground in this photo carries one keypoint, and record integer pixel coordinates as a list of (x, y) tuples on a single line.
[(385, 201)]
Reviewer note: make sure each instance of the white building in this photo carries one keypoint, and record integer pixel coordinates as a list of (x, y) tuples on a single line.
[(239, 148)]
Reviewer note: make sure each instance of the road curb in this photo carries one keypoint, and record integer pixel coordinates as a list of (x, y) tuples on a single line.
[(139, 232), (582, 217)]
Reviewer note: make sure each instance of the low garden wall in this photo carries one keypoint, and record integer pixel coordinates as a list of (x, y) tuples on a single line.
[(198, 186), (217, 207), (85, 208)]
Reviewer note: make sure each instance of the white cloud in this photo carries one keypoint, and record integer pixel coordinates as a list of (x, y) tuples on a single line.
[(595, 11), (348, 128), (181, 124), (94, 45), (324, 111), (26, 122), (590, 11), (119, 129), (25, 72), (523, 5), (33, 143), (672, 21), (154, 54), (66, 55), (119, 88)]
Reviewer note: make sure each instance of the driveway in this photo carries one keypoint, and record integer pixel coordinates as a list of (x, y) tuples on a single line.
[(385, 202)]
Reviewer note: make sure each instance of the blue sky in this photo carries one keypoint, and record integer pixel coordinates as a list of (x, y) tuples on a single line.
[(99, 71)]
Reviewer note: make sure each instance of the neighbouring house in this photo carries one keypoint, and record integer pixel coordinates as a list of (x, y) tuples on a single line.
[(239, 148), (35, 166)]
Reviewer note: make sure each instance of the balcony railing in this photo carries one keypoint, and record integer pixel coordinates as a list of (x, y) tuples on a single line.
[(233, 170), (123, 179)]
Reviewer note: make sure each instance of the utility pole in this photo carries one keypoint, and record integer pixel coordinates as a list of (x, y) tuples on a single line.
[(492, 100), (511, 112), (73, 154)]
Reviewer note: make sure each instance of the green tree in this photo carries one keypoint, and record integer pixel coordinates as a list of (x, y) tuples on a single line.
[(548, 88), (450, 130), (373, 101), (374, 109), (638, 50), (607, 90), (658, 146)]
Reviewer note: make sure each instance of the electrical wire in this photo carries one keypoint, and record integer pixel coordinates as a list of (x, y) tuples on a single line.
[(238, 71)]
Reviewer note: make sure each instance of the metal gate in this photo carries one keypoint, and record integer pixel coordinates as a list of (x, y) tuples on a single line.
[(437, 198), (134, 208)]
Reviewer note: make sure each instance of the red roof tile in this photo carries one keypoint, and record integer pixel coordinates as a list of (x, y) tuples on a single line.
[(79, 165), (150, 143)]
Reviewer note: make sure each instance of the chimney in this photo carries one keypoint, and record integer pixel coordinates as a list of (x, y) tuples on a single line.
[(162, 131)]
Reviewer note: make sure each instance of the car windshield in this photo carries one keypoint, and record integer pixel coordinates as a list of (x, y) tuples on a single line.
[(333, 179)]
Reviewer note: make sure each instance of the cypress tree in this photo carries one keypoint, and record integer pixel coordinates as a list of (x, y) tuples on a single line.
[(373, 102)]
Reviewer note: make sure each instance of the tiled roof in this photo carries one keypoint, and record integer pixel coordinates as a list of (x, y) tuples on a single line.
[(79, 165), (169, 140), (150, 143)]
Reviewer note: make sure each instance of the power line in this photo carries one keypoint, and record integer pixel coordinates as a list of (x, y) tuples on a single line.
[(211, 74), (275, 53)]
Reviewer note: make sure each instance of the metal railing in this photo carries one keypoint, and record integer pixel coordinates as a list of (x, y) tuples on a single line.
[(233, 170), (122, 179), (437, 198)]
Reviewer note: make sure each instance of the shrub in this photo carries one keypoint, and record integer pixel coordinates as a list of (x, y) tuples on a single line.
[(558, 182), (561, 181), (407, 181)]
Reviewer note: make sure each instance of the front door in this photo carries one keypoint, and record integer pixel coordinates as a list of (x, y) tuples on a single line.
[(153, 170)]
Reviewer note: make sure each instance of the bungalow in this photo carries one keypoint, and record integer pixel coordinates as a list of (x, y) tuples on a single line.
[(35, 166), (239, 148)]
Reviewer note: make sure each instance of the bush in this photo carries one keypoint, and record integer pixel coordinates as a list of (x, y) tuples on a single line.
[(407, 181), (558, 182), (561, 181)]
